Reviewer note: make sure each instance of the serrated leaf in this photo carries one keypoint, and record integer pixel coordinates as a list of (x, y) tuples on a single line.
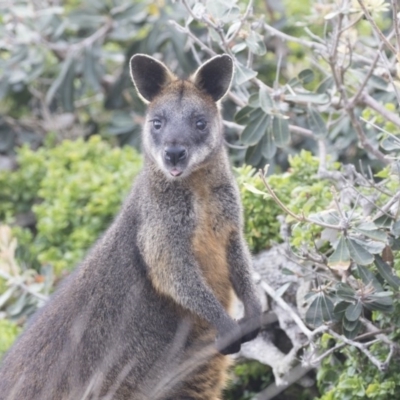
[(340, 258), (354, 311), (368, 277), (358, 253), (280, 130), (316, 122), (265, 100), (386, 273), (255, 128), (267, 144), (308, 98)]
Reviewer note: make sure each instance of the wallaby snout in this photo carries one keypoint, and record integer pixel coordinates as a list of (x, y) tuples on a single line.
[(174, 157)]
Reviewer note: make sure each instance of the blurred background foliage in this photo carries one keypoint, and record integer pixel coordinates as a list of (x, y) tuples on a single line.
[(315, 96)]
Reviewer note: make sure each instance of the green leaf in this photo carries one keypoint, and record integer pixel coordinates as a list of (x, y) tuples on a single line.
[(340, 258), (368, 277), (375, 234), (349, 325), (384, 221), (316, 122), (325, 85), (265, 99), (320, 310), (255, 128), (386, 272), (242, 117), (352, 333), (255, 43), (390, 143), (345, 292), (267, 144), (358, 253), (396, 228), (254, 155), (308, 98), (381, 301), (340, 309), (67, 67), (243, 74), (280, 130), (354, 311), (306, 76)]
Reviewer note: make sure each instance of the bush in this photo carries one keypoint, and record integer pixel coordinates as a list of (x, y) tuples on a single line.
[(74, 190)]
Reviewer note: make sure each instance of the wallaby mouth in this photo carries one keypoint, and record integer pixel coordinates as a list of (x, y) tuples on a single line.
[(175, 172)]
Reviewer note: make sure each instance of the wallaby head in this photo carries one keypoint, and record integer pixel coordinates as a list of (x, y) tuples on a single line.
[(183, 127)]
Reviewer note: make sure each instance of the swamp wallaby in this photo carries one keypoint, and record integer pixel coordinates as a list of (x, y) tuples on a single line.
[(146, 315)]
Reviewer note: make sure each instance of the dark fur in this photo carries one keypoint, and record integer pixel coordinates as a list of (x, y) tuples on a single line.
[(139, 318)]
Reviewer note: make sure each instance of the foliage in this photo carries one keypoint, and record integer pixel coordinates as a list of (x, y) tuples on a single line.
[(245, 375), (321, 76), (74, 190), (299, 188), (9, 331)]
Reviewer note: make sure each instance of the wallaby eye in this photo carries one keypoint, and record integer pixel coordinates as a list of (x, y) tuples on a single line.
[(201, 124), (157, 124)]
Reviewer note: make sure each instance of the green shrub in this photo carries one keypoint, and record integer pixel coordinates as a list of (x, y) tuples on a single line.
[(74, 189), (300, 189), (8, 333)]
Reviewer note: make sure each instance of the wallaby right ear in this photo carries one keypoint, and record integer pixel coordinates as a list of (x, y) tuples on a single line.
[(149, 76)]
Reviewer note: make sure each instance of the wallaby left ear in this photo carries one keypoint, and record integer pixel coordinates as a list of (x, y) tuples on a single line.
[(215, 76)]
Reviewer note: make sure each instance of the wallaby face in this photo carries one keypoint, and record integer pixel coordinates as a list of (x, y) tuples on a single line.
[(182, 128)]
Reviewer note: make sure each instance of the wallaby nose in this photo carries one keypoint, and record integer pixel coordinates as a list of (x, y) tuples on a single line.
[(175, 154)]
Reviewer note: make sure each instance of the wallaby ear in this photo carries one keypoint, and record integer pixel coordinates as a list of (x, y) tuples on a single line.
[(149, 76), (215, 76)]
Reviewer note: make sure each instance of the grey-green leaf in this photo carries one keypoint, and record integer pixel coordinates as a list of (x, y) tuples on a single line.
[(368, 277), (280, 130), (386, 272), (316, 122), (308, 98), (354, 311), (243, 74), (265, 99), (341, 255), (268, 147), (358, 253), (255, 128), (306, 76)]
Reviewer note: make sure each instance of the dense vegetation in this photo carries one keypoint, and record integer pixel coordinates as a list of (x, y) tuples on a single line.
[(316, 97)]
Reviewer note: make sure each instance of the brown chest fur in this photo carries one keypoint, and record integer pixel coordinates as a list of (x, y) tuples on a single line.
[(210, 241)]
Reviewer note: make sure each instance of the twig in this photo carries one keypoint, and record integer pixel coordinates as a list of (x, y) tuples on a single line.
[(363, 347), (396, 23), (371, 102), (249, 9), (284, 208), (375, 27), (22, 286), (282, 303)]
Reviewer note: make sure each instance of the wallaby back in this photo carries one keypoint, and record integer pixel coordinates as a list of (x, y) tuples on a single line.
[(146, 315)]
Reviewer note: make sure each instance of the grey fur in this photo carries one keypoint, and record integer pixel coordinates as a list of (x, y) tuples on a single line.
[(138, 319)]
